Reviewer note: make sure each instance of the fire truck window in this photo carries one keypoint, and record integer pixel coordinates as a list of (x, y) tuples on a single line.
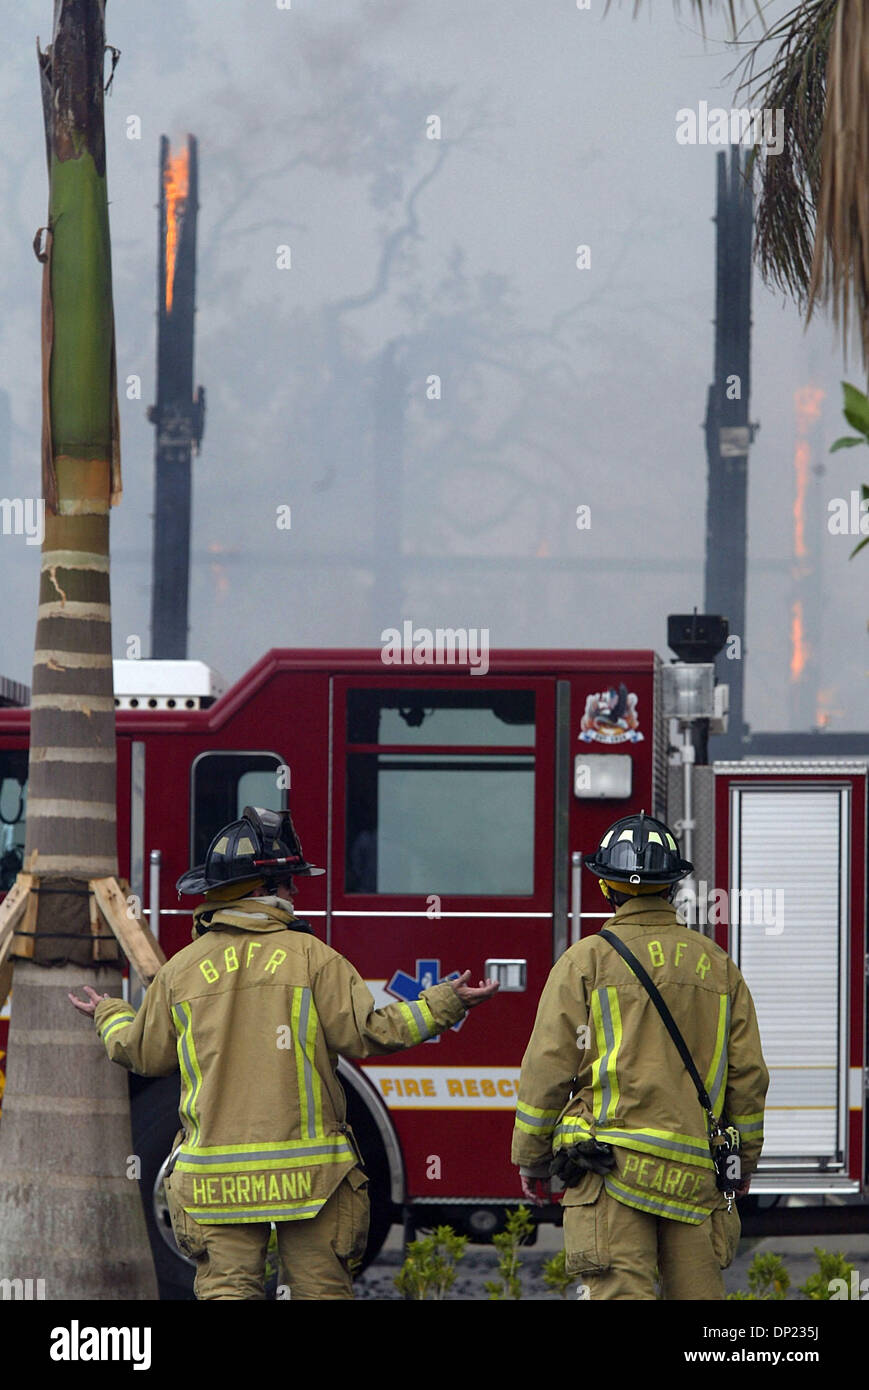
[(223, 784), (13, 811), (457, 717), (440, 824)]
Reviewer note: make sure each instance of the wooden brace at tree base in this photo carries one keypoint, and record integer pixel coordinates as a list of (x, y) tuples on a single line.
[(68, 935)]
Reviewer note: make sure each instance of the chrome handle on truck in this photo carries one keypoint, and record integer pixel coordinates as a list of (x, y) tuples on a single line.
[(575, 896), (510, 974), (155, 859)]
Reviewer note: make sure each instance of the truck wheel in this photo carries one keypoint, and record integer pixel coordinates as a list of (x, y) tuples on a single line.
[(383, 1211), (154, 1114)]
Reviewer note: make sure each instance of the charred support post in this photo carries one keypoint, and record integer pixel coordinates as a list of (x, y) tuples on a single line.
[(178, 416), (729, 433)]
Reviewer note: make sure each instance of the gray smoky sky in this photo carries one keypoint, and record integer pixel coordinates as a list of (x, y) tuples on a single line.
[(412, 258)]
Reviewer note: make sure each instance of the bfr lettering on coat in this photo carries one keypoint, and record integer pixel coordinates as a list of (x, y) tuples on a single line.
[(658, 956), (233, 960)]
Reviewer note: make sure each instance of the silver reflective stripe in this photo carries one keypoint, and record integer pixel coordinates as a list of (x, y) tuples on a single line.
[(721, 1069), (604, 1073), (117, 1021), (304, 1016), (672, 1145), (749, 1129), (539, 1121), (424, 1029), (184, 1022), (244, 1214), (262, 1155), (572, 1129), (691, 1215)]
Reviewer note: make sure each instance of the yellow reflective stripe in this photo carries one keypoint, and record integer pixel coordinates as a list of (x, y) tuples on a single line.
[(661, 1146), (686, 1141), (716, 1077), (532, 1129), (543, 1114), (311, 1072), (535, 1121), (428, 1017), (295, 1016), (257, 1165), (754, 1127), (407, 1013), (607, 1019), (269, 1148), (658, 1206), (191, 1076), (242, 1215), (419, 1019), (665, 1143), (571, 1130), (748, 1119), (115, 1022)]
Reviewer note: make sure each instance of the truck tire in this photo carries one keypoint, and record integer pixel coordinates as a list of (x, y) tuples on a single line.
[(154, 1114), (376, 1164)]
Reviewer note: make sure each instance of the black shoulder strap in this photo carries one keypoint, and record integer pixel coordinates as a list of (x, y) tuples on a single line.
[(669, 1021)]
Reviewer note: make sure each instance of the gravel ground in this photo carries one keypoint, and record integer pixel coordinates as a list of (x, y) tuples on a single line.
[(479, 1264)]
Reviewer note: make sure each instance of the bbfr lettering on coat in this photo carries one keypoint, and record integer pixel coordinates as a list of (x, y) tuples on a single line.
[(229, 961)]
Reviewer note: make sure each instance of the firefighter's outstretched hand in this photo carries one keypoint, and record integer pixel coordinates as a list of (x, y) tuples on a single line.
[(471, 996), (82, 1005)]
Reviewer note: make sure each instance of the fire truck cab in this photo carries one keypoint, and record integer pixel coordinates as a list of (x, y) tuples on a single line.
[(450, 809)]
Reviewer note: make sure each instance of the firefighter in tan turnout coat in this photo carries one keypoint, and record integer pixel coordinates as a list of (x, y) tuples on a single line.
[(255, 1013), (604, 1089)]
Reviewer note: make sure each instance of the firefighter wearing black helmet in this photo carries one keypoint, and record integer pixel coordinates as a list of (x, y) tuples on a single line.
[(254, 1014), (606, 1103)]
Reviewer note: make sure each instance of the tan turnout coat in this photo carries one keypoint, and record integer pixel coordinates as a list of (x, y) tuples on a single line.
[(600, 1063), (255, 1014)]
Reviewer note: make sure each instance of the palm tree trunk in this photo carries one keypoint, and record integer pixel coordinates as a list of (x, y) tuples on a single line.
[(70, 1211)]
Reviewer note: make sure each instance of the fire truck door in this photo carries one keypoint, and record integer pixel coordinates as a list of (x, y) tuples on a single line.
[(443, 847)]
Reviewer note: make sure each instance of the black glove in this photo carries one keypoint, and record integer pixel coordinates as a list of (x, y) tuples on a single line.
[(572, 1162)]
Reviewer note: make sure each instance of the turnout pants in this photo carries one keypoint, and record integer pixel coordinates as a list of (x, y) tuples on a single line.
[(317, 1254), (619, 1252)]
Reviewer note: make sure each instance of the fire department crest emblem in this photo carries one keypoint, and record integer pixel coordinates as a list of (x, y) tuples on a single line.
[(611, 717)]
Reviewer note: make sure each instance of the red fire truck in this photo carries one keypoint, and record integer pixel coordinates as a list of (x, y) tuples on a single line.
[(450, 807)]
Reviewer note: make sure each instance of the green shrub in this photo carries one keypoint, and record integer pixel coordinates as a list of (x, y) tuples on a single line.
[(767, 1279), (507, 1243), (831, 1265), (555, 1275), (429, 1268)]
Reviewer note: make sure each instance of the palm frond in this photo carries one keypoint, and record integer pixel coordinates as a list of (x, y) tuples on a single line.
[(812, 198), (700, 8), (789, 182), (840, 265)]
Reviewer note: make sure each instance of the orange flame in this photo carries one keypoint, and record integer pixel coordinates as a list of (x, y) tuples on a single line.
[(826, 710), (176, 174), (801, 467), (807, 404), (807, 401), (799, 646)]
